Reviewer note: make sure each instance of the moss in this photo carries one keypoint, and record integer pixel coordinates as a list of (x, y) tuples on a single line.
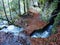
[(54, 30), (47, 10)]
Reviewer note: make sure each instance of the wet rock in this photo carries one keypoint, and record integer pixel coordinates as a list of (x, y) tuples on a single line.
[(3, 24), (11, 28), (2, 34), (23, 38), (31, 23), (54, 39), (10, 39), (35, 25), (37, 41), (43, 34)]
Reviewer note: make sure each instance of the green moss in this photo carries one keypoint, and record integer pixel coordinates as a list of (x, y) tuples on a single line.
[(57, 19), (54, 30)]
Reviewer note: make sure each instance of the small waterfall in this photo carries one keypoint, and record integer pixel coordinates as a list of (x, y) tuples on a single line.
[(45, 34)]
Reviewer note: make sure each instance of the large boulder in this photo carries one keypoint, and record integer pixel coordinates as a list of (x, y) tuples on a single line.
[(10, 39), (31, 21)]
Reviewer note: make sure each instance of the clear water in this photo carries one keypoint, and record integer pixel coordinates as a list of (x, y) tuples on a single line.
[(45, 34)]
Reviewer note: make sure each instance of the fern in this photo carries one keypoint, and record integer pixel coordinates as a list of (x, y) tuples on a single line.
[(47, 9), (57, 19)]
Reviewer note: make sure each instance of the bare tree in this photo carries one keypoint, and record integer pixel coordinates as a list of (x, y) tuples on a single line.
[(5, 10), (19, 7), (27, 4), (9, 10), (24, 5)]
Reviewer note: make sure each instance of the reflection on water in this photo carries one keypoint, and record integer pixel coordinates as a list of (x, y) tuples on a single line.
[(45, 34)]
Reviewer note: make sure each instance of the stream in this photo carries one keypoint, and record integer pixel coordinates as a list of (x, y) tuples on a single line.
[(15, 30), (10, 28), (46, 33), (13, 35)]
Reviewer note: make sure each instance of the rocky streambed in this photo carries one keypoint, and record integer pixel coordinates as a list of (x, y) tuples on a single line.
[(25, 35), (22, 39), (13, 35)]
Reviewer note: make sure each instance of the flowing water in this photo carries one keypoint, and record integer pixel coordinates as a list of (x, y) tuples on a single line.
[(44, 34), (15, 30), (12, 35)]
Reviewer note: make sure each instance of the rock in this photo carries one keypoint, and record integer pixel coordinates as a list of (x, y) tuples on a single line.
[(10, 39), (54, 39), (37, 41), (2, 37), (3, 24), (13, 29), (23, 39), (46, 33), (31, 23)]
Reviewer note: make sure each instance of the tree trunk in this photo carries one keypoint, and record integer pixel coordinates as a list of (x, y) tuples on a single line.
[(19, 7), (5, 10), (27, 4), (9, 10), (24, 5), (33, 2)]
